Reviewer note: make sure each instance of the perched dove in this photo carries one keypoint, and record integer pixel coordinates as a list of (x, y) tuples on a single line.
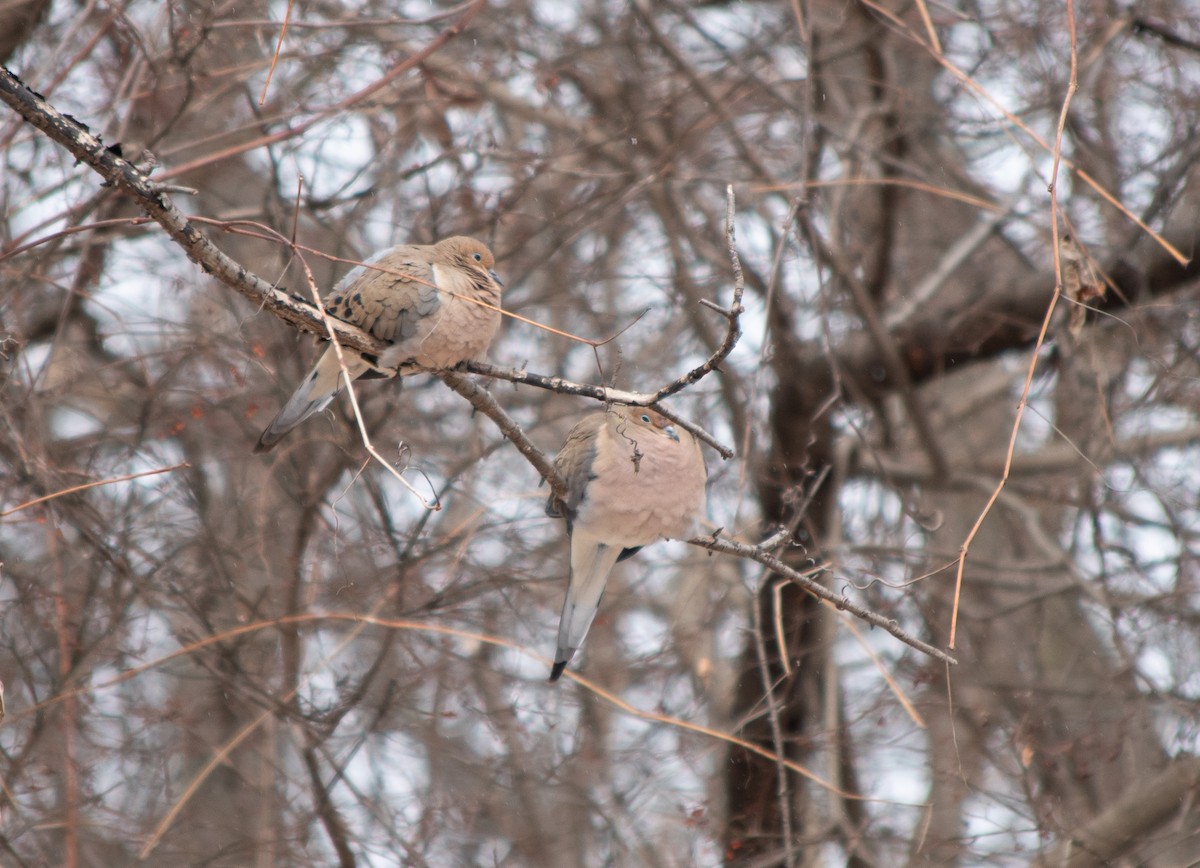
[(421, 299), (631, 479)]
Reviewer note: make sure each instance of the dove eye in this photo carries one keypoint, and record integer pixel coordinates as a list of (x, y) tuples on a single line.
[(478, 257), (646, 418)]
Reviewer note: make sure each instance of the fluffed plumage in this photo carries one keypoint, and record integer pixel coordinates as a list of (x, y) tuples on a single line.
[(632, 478), (421, 299)]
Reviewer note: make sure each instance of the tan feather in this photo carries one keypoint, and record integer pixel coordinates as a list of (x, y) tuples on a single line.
[(436, 305), (632, 478)]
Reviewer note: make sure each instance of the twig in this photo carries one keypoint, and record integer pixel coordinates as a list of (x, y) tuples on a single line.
[(434, 505), (804, 580), (600, 393), (122, 174), (897, 690), (1072, 86), (483, 401), (782, 790), (732, 316), (935, 44), (94, 226), (906, 183), (85, 486), (287, 17)]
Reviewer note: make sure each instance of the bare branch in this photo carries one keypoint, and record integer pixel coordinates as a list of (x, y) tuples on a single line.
[(1143, 808), (483, 401), (124, 176), (805, 580)]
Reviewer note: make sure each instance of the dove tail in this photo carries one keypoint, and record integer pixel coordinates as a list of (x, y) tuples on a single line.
[(591, 562), (312, 396)]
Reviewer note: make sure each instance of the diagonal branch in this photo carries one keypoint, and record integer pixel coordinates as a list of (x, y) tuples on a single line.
[(485, 402), (1130, 819), (762, 554), (150, 197), (122, 175)]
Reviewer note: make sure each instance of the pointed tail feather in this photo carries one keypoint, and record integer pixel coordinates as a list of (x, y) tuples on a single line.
[(591, 562), (312, 396)]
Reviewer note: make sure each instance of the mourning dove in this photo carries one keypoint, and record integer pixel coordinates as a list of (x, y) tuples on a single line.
[(421, 299), (632, 479)]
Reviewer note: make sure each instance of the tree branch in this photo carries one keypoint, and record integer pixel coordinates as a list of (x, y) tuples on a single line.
[(485, 402), (122, 175), (804, 580), (1130, 818)]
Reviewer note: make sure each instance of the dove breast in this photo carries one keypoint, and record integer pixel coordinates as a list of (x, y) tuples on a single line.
[(644, 485)]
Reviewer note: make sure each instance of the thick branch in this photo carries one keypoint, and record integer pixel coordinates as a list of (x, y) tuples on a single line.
[(123, 175), (1057, 457), (483, 401), (942, 337), (1130, 819), (151, 198)]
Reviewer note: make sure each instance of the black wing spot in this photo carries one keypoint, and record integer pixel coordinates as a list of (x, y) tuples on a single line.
[(628, 553)]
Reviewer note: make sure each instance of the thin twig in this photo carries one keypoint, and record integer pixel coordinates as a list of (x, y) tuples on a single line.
[(935, 44), (1072, 86), (73, 230), (804, 580), (782, 790), (972, 84), (732, 317), (897, 690), (85, 486), (287, 17), (906, 183)]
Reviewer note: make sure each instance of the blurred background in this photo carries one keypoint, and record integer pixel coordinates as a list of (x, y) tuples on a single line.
[(286, 659)]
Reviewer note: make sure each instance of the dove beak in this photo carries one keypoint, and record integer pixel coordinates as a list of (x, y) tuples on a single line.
[(496, 277), (671, 432)]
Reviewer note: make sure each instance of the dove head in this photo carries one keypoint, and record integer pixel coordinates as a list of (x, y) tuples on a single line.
[(470, 253), (651, 420)]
